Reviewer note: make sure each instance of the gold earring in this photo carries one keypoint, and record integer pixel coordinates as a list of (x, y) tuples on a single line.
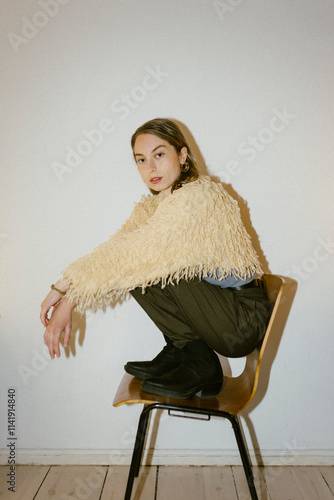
[(184, 167)]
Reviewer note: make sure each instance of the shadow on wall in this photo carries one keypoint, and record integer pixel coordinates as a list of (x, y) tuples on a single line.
[(268, 360), (79, 324)]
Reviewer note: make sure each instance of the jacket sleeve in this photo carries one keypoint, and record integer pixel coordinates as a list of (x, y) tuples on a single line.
[(141, 253)]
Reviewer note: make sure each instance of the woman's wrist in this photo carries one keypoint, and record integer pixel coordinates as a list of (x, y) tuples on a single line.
[(70, 305)]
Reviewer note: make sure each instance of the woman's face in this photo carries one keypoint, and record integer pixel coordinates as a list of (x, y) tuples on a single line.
[(158, 162)]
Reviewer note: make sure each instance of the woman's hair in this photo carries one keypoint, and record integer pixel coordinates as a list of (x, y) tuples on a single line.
[(167, 130)]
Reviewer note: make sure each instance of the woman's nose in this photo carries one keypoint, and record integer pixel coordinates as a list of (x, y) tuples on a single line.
[(152, 166)]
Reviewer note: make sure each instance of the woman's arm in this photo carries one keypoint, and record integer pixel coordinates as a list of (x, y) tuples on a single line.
[(61, 316), (158, 247)]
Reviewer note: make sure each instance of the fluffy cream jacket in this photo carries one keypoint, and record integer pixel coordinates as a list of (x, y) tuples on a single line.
[(196, 231)]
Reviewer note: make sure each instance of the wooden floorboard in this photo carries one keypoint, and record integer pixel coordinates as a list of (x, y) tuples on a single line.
[(167, 483), (219, 483), (115, 485), (69, 483), (280, 485), (311, 483), (28, 478), (179, 483), (242, 485), (328, 475)]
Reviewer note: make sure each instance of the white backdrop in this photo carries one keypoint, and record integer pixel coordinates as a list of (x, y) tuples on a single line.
[(251, 82)]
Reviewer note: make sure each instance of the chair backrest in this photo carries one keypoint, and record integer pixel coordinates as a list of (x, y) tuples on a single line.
[(274, 286), (238, 391)]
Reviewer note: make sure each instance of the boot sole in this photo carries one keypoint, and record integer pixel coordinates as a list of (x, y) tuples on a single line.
[(202, 391)]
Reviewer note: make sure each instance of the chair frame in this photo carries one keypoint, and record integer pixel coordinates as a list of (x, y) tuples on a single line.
[(236, 394)]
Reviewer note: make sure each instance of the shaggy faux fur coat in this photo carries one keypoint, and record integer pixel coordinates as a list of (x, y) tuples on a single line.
[(196, 231)]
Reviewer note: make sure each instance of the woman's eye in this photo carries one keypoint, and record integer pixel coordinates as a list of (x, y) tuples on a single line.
[(141, 160), (160, 155)]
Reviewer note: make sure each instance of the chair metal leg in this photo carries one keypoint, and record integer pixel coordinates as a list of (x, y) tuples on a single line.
[(244, 455), (141, 434), (137, 450)]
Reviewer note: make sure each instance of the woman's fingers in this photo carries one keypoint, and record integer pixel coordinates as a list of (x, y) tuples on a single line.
[(44, 317), (56, 348), (67, 335), (48, 341), (51, 339), (44, 312)]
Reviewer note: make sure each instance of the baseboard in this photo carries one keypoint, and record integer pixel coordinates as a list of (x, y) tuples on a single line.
[(169, 457)]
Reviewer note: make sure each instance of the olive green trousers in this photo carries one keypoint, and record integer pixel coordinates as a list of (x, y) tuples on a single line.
[(231, 322)]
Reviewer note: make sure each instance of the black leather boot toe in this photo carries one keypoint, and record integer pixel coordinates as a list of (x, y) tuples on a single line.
[(166, 361)]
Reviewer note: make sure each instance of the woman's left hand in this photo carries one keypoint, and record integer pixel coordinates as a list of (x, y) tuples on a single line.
[(60, 321)]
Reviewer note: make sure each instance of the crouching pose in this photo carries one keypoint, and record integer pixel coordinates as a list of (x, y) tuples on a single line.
[(186, 258)]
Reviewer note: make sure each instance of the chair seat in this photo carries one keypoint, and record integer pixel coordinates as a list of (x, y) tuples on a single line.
[(234, 395)]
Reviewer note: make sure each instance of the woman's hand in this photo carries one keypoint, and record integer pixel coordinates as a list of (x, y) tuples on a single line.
[(52, 299), (60, 321)]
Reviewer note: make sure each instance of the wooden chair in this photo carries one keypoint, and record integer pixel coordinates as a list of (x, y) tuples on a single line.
[(236, 394)]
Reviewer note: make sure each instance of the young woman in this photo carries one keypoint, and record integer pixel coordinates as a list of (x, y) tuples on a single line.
[(186, 258)]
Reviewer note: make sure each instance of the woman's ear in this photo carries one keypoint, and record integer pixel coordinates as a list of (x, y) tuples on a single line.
[(183, 154)]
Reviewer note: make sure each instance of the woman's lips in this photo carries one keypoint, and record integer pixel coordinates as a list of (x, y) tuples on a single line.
[(155, 180)]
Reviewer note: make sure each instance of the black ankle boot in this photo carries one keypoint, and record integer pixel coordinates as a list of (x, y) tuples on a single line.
[(167, 360), (199, 373)]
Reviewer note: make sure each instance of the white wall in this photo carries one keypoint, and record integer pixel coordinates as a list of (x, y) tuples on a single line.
[(224, 72)]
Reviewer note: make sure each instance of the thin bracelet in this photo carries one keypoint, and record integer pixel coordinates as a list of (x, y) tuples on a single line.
[(57, 290)]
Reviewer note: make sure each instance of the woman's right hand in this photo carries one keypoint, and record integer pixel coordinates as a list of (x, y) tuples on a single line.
[(51, 300)]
